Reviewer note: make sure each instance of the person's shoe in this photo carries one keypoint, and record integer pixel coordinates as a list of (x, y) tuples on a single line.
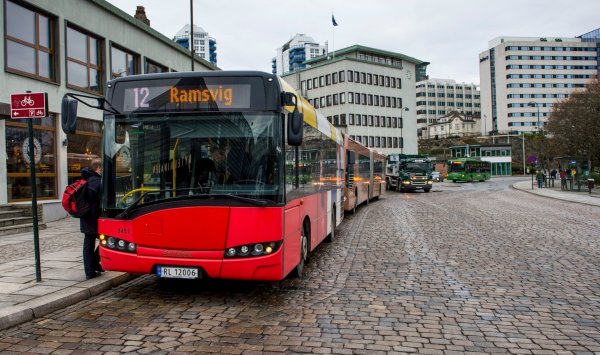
[(95, 274)]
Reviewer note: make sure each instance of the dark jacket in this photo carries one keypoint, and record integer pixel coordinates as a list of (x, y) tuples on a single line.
[(88, 224)]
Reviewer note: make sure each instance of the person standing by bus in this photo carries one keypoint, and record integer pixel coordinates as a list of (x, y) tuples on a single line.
[(88, 223)]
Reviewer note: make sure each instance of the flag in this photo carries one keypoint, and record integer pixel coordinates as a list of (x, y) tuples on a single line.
[(333, 20)]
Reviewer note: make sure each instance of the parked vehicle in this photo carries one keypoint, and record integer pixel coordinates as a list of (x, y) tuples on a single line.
[(437, 176)]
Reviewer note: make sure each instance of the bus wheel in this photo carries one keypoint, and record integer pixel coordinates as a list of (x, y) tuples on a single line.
[(331, 237), (454, 181), (299, 270)]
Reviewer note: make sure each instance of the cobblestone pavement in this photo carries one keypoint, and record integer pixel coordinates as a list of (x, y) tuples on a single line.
[(459, 270)]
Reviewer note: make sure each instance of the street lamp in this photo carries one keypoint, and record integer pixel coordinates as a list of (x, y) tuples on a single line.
[(402, 129), (531, 104)]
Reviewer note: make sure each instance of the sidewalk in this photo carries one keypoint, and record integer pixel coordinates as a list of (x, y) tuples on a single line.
[(63, 280), (555, 192)]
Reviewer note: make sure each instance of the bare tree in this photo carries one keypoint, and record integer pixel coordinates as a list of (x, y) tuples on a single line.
[(575, 123)]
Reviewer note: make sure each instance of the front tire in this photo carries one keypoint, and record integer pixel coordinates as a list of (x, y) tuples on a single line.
[(299, 269), (427, 190)]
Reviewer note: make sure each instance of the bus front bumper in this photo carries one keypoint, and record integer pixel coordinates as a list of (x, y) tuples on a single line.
[(211, 264)]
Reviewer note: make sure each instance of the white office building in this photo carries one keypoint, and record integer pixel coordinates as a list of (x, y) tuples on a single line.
[(437, 98), (204, 46), (57, 48), (523, 77), (292, 55), (367, 93)]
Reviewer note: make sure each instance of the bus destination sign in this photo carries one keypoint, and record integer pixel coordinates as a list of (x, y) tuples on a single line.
[(207, 97)]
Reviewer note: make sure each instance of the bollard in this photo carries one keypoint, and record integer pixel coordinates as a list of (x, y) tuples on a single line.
[(590, 185)]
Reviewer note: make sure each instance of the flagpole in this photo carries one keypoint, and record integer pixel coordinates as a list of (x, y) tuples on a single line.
[(333, 35)]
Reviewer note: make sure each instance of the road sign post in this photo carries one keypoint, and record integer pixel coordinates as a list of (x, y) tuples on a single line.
[(31, 105)]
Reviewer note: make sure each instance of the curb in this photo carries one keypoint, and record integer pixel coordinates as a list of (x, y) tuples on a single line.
[(41, 306), (552, 197)]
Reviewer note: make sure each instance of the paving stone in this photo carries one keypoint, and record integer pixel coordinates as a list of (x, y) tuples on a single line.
[(466, 270)]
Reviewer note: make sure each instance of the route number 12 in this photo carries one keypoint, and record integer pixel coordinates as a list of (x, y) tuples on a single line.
[(140, 97)]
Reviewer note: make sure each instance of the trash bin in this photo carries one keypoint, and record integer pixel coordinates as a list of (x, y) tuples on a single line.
[(590, 185)]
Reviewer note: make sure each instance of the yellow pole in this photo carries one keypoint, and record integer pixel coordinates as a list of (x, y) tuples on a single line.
[(174, 168)]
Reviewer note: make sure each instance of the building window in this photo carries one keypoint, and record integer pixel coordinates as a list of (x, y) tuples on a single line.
[(342, 98), (342, 76), (30, 42), (123, 63), (84, 61), (84, 147), (351, 119), (17, 159), (153, 67)]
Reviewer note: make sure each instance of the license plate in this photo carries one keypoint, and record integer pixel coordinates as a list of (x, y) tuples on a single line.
[(173, 272)]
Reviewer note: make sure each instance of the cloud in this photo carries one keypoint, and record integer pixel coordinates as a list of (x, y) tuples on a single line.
[(448, 34)]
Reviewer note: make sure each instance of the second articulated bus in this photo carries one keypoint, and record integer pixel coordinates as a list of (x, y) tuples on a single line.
[(364, 175)]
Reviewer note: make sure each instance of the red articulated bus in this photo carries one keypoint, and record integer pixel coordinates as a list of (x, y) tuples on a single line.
[(214, 175), (364, 178)]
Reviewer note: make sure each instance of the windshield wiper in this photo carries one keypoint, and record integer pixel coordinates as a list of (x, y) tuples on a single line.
[(125, 213)]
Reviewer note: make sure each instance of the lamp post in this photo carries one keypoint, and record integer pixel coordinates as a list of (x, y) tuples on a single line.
[(192, 32), (402, 129)]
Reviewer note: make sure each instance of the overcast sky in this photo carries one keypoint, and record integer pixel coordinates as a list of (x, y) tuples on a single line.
[(448, 34)]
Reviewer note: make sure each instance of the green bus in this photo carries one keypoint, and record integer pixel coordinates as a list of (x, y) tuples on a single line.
[(469, 169)]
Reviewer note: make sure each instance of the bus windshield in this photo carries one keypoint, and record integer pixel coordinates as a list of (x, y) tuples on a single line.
[(154, 158), (456, 166), (416, 167)]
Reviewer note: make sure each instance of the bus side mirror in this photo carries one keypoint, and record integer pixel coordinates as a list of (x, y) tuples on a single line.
[(295, 128), (68, 115), (295, 124)]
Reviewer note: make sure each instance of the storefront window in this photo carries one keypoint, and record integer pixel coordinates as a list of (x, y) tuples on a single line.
[(84, 146), (17, 159)]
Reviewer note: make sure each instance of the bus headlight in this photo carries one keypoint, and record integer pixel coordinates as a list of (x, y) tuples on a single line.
[(251, 250), (118, 244), (230, 252)]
